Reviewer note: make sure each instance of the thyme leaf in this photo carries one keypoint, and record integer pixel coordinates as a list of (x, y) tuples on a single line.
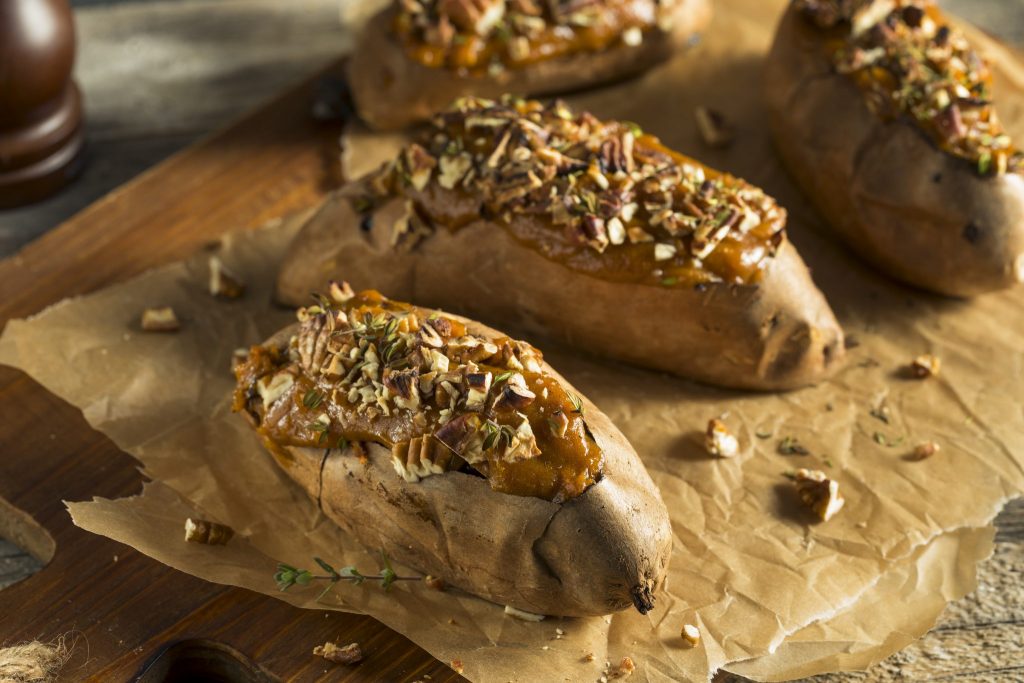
[(790, 446), (577, 404), (312, 399)]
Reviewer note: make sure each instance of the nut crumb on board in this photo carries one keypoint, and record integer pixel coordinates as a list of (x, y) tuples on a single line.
[(207, 533), (349, 654), (160, 319), (719, 441), (434, 582)]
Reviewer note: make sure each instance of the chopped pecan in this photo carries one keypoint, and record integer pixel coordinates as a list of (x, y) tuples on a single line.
[(715, 130), (457, 432), (925, 365), (925, 450), (718, 440), (478, 386), (348, 654), (514, 397), (594, 232), (222, 282), (208, 533), (401, 382), (819, 493), (161, 319), (340, 291), (475, 16), (419, 164)]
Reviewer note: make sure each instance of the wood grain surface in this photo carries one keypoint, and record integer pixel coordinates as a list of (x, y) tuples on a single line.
[(193, 74)]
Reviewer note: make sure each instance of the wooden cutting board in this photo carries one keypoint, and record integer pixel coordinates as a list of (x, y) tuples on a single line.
[(129, 616)]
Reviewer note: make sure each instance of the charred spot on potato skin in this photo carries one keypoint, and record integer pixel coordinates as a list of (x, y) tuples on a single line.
[(937, 178), (972, 233), (366, 222), (643, 598)]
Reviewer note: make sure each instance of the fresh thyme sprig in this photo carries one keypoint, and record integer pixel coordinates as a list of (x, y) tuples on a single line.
[(790, 446), (312, 399), (577, 404), (322, 430), (501, 377), (287, 576), (496, 434)]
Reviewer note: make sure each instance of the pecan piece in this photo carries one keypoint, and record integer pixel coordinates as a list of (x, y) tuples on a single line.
[(161, 319), (819, 493), (349, 654), (207, 533), (715, 130), (474, 16)]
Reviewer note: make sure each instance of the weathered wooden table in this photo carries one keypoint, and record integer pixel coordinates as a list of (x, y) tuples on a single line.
[(161, 75)]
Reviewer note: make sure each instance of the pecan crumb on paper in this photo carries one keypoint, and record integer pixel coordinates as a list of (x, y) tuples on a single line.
[(222, 282), (207, 533), (160, 319), (690, 634), (819, 493), (925, 450), (719, 441), (925, 365)]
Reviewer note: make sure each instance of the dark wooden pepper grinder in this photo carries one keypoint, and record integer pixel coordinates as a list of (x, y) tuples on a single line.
[(41, 134)]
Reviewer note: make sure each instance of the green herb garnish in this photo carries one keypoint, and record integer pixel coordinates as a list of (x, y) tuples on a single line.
[(312, 399), (287, 576), (790, 446)]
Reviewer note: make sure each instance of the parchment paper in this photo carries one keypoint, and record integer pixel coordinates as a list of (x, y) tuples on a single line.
[(774, 594)]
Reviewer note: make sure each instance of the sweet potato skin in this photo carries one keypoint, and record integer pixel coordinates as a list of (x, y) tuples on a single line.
[(919, 214), (595, 554), (776, 334), (392, 91)]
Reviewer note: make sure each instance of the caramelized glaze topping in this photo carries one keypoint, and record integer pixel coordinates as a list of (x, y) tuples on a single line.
[(364, 368), (909, 61), (598, 196), (491, 35)]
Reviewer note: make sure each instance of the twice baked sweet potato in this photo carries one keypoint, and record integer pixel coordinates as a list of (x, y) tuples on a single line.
[(884, 115), (459, 452), (417, 56), (582, 230)]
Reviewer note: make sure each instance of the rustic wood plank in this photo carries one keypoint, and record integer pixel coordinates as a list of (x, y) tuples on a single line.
[(158, 76), (15, 564), (126, 608)]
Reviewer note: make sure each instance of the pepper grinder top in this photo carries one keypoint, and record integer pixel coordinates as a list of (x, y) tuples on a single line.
[(41, 131)]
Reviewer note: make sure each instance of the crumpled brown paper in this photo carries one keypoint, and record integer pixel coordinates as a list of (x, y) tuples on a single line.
[(775, 595)]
